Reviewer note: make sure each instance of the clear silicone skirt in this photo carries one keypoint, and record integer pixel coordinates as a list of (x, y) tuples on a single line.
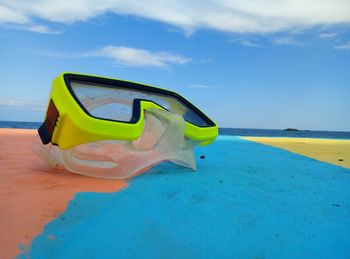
[(163, 139)]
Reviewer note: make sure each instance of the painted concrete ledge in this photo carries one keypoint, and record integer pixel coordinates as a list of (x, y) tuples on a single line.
[(246, 200), (31, 193), (334, 151)]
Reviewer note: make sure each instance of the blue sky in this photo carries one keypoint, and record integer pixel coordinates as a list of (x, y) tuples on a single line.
[(250, 65)]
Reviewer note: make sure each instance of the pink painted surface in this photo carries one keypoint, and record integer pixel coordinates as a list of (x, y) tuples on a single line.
[(32, 193)]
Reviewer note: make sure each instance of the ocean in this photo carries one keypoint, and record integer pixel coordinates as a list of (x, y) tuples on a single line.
[(224, 131)]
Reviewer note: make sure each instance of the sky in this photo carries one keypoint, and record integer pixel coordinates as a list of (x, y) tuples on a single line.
[(247, 64)]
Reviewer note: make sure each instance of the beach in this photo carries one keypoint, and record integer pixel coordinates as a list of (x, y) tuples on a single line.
[(226, 124), (334, 151), (249, 197)]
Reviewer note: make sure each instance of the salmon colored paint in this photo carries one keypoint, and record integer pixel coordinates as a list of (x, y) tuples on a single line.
[(32, 193)]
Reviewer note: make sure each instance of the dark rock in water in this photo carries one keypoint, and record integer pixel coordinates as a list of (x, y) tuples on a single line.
[(202, 157), (290, 129)]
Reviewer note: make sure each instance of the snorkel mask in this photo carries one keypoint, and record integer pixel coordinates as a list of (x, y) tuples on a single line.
[(116, 129)]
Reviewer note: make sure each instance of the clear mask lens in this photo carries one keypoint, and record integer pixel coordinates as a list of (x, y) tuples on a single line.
[(116, 103)]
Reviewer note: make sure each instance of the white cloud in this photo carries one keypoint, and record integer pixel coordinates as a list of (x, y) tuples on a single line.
[(201, 86), (250, 44), (329, 35), (287, 41), (245, 42), (249, 16), (343, 46), (41, 29), (134, 57), (21, 103), (8, 15)]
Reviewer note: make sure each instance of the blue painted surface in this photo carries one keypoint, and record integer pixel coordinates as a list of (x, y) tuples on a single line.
[(246, 200)]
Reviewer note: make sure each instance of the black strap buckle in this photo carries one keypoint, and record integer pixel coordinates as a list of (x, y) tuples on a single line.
[(46, 129)]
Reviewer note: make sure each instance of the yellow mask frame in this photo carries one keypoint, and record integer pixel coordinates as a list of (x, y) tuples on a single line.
[(68, 124)]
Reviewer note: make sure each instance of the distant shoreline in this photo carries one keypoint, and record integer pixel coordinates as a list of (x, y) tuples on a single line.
[(224, 131)]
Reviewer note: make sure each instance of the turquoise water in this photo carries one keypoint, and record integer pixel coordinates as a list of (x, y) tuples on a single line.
[(223, 131), (246, 200)]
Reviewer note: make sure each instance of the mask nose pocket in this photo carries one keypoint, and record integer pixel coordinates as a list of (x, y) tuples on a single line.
[(163, 139)]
